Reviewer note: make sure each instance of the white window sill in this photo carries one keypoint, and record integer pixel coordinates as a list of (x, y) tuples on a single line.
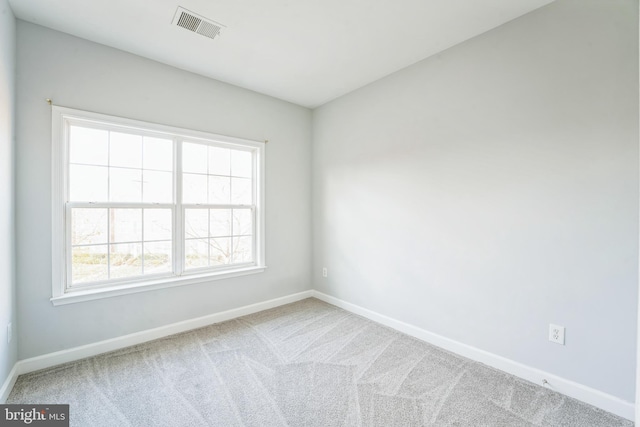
[(74, 296)]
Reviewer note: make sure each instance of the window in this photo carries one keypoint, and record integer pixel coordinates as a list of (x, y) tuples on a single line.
[(139, 205)]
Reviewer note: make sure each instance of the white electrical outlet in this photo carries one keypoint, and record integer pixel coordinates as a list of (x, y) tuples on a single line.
[(324, 271), (9, 332), (556, 334)]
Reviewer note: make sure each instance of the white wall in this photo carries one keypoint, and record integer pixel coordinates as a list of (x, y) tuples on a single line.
[(488, 191), (8, 352), (81, 74)]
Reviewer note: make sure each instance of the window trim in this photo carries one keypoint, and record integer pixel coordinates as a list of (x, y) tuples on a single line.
[(63, 294)]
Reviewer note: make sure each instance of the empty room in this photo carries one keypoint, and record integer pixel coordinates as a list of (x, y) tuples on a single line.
[(319, 213)]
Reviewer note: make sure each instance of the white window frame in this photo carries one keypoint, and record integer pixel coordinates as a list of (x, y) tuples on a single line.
[(61, 291)]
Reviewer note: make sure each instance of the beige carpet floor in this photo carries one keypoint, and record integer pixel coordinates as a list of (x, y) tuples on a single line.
[(303, 364)]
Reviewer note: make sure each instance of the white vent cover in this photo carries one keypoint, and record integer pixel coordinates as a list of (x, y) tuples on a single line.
[(198, 24)]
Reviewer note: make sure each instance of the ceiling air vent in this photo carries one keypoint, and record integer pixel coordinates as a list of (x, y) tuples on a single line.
[(198, 24)]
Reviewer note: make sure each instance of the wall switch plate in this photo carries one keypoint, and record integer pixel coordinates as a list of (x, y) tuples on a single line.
[(556, 334), (324, 271), (9, 332)]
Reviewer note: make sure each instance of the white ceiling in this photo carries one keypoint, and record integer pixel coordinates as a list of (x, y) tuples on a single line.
[(304, 51)]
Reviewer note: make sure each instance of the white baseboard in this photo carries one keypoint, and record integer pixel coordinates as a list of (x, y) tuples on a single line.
[(9, 383), (569, 388), (77, 353)]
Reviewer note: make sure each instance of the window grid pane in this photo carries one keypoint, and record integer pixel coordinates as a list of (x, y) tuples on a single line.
[(119, 167), (215, 175), (228, 234), (119, 243), (89, 264), (123, 172)]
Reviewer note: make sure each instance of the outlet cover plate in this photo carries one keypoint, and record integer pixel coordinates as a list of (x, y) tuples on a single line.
[(556, 334)]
